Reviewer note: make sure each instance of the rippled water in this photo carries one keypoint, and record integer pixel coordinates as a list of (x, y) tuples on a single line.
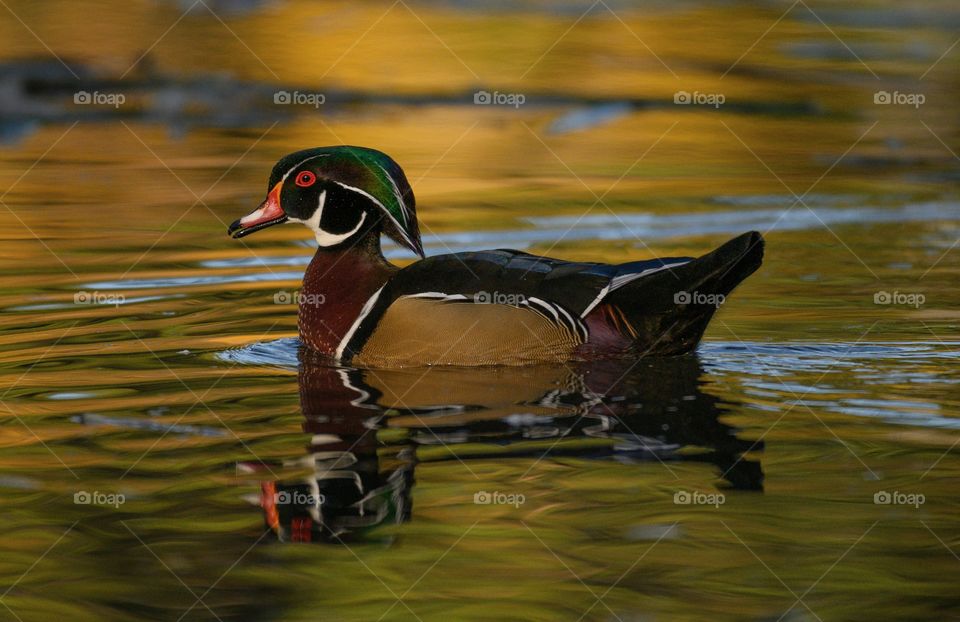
[(167, 452)]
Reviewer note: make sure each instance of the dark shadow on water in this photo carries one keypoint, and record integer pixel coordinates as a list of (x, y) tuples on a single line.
[(366, 427)]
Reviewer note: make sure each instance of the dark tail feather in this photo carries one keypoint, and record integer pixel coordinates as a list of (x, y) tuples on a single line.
[(669, 310)]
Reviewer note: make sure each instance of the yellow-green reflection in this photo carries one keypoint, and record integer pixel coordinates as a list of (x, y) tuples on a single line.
[(139, 398)]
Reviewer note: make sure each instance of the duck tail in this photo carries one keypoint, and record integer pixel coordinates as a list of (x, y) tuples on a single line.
[(667, 312)]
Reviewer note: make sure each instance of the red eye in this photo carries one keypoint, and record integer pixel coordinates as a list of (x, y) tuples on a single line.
[(306, 179)]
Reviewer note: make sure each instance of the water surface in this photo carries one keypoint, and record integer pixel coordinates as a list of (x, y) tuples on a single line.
[(167, 453)]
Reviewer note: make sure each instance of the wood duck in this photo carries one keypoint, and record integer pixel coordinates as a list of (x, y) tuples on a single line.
[(497, 307)]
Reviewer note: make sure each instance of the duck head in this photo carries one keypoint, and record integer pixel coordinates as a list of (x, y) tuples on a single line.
[(342, 194)]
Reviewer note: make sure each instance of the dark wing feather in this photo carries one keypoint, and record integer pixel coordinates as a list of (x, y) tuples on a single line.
[(574, 286)]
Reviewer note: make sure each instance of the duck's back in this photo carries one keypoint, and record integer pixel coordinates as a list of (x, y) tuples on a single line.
[(511, 307)]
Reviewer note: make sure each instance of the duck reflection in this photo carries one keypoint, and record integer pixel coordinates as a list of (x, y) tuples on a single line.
[(366, 426)]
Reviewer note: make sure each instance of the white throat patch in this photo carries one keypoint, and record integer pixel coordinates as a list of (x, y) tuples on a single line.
[(325, 238)]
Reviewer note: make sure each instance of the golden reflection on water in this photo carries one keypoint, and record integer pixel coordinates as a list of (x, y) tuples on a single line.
[(161, 398)]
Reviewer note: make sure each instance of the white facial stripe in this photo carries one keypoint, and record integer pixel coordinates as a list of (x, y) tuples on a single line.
[(330, 239), (363, 192), (400, 228), (325, 238), (396, 194), (294, 167)]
